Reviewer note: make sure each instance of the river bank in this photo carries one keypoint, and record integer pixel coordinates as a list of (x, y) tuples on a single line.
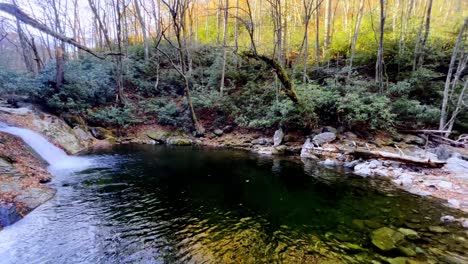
[(326, 146)]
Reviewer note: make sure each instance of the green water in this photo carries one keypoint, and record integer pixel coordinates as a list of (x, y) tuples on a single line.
[(155, 204)]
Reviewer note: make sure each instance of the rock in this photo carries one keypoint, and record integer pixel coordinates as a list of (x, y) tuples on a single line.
[(218, 132), (16, 111), (179, 141), (57, 131), (453, 203), (386, 238), (261, 141), (409, 252), (158, 136), (329, 129), (101, 133), (307, 150), (447, 219), (81, 133), (409, 233), (437, 229), (362, 169), (279, 150), (33, 197), (374, 164), (228, 129), (405, 180), (8, 214), (323, 138), (443, 152), (439, 184), (351, 164), (398, 260), (454, 259), (265, 150), (278, 137), (464, 222), (415, 140), (457, 166), (330, 163), (349, 135)]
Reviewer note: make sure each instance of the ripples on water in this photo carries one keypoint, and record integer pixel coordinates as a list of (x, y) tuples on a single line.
[(152, 204)]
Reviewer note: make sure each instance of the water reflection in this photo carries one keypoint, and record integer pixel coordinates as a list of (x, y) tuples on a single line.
[(153, 204)]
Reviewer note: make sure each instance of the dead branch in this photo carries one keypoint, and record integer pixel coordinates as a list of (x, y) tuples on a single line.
[(398, 157), (23, 17)]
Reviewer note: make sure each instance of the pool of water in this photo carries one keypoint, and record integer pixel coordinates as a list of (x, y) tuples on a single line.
[(157, 204)]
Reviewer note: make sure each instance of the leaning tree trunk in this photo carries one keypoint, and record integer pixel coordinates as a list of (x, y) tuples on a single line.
[(280, 71)]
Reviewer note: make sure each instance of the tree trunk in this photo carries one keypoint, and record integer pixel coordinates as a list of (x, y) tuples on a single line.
[(355, 36), (379, 66), (225, 25), (449, 83), (142, 22)]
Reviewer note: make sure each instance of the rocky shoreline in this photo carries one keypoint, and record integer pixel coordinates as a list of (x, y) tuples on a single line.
[(326, 146)]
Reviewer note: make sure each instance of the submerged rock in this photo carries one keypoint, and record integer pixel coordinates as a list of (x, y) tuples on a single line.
[(386, 238), (437, 229), (307, 150), (278, 137), (409, 233), (8, 214), (323, 138)]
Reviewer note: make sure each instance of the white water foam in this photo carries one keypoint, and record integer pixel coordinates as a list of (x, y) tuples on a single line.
[(56, 157)]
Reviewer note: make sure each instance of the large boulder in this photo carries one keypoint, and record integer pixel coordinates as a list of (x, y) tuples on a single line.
[(307, 150), (158, 136), (386, 239), (323, 138), (278, 137), (179, 141), (57, 131), (81, 133)]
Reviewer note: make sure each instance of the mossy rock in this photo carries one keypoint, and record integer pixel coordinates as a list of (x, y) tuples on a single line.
[(179, 141), (159, 136), (386, 239)]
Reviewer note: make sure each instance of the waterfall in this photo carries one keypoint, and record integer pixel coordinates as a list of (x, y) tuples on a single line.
[(56, 157)]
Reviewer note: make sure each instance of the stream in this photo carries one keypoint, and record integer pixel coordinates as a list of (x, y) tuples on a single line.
[(160, 204)]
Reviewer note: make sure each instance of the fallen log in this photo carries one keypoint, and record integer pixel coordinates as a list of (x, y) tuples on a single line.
[(448, 141), (366, 154)]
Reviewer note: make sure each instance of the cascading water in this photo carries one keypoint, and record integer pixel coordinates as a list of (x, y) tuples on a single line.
[(56, 157)]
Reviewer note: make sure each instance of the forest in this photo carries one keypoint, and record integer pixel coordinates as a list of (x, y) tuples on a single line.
[(198, 65)]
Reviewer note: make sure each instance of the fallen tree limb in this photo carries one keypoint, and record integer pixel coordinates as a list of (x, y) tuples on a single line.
[(25, 18), (397, 157), (419, 131), (444, 140)]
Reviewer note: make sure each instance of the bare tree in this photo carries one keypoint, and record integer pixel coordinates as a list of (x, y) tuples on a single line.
[(379, 65), (177, 10), (142, 22), (355, 37), (461, 54), (421, 45), (225, 28)]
